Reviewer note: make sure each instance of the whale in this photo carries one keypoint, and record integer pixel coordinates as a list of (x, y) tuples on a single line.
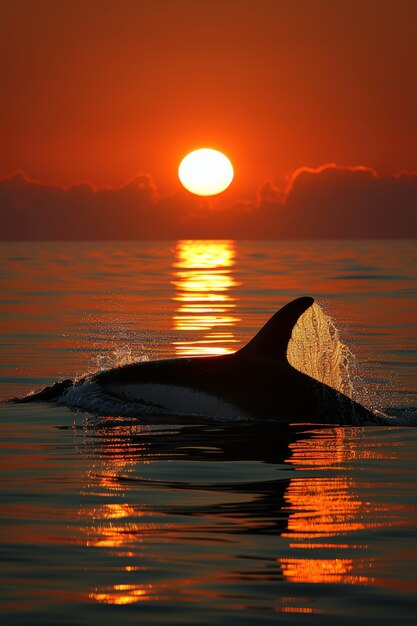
[(255, 382)]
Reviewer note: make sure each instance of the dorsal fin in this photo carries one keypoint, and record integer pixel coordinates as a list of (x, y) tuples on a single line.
[(272, 340)]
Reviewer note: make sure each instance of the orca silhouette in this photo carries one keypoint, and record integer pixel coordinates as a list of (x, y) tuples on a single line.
[(257, 382)]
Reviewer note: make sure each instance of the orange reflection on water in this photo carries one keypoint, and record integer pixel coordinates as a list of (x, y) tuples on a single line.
[(115, 523), (122, 594), (325, 506), (115, 510), (322, 507), (205, 311), (323, 571)]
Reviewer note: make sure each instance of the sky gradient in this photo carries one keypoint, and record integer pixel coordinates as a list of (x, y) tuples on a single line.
[(100, 91)]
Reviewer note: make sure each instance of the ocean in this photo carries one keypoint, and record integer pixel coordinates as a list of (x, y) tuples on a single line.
[(196, 521)]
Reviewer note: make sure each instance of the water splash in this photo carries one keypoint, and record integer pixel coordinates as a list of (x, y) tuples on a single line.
[(316, 349), (121, 355)]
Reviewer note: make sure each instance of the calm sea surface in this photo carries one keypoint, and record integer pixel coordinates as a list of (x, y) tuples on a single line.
[(125, 521)]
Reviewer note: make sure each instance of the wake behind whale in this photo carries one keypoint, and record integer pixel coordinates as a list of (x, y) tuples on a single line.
[(256, 382)]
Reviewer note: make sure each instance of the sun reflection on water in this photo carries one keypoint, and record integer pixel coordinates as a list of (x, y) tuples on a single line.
[(123, 594), (322, 507), (120, 525), (205, 313)]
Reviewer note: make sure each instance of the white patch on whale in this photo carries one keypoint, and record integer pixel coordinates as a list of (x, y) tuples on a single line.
[(182, 400), (195, 386), (160, 400)]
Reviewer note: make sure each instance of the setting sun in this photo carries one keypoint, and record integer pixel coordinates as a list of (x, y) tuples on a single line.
[(205, 172)]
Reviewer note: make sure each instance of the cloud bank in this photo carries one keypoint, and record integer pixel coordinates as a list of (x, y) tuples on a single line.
[(326, 202)]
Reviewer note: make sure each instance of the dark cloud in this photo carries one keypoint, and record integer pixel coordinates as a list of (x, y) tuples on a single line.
[(31, 210), (326, 202), (352, 202), (269, 193)]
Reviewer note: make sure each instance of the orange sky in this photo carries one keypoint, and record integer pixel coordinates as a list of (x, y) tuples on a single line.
[(101, 90)]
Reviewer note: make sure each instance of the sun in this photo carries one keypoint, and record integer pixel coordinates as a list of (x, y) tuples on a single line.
[(205, 172)]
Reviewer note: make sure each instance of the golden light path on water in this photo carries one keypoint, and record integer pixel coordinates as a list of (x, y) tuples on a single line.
[(204, 291), (118, 525), (327, 514), (321, 508), (327, 511)]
